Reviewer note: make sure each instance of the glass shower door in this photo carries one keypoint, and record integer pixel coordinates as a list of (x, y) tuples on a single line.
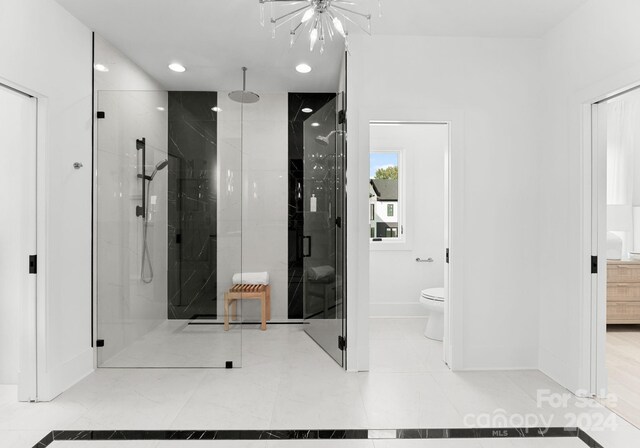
[(322, 244)]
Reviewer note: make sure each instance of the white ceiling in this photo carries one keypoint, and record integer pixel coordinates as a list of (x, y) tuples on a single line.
[(214, 38), (479, 18)]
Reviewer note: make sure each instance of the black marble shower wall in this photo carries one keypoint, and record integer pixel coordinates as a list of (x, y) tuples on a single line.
[(297, 102), (192, 205)]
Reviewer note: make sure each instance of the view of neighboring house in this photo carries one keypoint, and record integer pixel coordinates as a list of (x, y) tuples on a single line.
[(383, 208)]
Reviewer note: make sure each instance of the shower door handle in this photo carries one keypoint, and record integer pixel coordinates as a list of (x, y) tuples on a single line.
[(307, 254)]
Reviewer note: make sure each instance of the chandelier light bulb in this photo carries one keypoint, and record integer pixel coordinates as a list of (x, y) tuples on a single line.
[(313, 38), (308, 15), (338, 26)]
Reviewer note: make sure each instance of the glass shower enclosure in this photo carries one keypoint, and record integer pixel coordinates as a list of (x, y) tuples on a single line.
[(168, 233), (323, 242)]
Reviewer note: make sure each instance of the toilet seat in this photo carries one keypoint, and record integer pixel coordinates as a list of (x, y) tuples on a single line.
[(435, 294)]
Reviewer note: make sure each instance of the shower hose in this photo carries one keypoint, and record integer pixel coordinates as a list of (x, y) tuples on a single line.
[(146, 258)]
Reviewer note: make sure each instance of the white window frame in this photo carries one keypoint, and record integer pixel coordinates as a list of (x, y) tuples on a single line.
[(403, 239)]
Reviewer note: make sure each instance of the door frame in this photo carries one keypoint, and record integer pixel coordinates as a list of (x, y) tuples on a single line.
[(32, 323), (409, 221), (454, 281), (594, 286)]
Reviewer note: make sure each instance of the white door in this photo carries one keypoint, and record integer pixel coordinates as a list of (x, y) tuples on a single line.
[(18, 120)]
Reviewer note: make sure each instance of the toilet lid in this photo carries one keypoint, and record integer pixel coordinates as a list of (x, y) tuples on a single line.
[(436, 294)]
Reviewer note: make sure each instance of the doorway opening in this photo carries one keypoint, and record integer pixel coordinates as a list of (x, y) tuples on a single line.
[(409, 240), (18, 262), (616, 252)]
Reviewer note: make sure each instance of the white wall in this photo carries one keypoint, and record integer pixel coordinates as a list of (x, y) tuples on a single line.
[(396, 279), (48, 53), (593, 52), (495, 85), (123, 74), (127, 307), (263, 195)]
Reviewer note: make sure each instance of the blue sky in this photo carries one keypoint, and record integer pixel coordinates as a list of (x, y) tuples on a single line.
[(382, 160)]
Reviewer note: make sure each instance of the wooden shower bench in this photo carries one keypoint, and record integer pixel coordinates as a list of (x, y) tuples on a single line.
[(247, 292)]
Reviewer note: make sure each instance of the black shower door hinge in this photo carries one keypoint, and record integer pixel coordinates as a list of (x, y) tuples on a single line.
[(33, 264), (342, 343), (100, 343), (101, 114), (339, 221), (447, 255), (594, 264), (342, 117)]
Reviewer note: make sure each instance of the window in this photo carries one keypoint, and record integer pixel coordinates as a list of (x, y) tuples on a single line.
[(385, 195)]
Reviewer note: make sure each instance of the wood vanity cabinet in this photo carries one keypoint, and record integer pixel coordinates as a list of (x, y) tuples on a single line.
[(623, 292)]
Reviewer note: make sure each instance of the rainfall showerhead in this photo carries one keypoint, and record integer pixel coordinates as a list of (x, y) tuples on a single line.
[(324, 139), (244, 96), (159, 167)]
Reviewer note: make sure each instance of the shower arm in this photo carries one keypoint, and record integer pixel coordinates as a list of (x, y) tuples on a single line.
[(244, 79), (141, 144)]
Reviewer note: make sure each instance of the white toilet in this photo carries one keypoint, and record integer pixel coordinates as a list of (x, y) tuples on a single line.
[(433, 300)]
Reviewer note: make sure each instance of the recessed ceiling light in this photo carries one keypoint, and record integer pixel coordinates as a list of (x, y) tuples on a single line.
[(216, 109), (101, 67), (303, 68), (307, 110), (315, 125), (177, 67), (160, 108)]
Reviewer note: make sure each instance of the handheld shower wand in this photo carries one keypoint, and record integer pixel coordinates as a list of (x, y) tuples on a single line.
[(146, 258)]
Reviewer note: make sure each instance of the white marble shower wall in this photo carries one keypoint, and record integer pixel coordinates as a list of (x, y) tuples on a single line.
[(127, 307), (262, 200)]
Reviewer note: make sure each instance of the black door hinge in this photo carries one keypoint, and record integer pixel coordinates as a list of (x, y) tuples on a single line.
[(33, 264), (339, 221), (447, 255), (179, 238), (228, 365), (100, 343), (342, 343), (594, 264), (342, 117), (101, 114)]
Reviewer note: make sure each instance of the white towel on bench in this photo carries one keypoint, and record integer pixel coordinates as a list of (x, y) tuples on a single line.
[(251, 278)]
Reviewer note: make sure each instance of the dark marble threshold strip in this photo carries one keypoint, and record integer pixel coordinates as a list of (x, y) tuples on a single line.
[(249, 323), (314, 434)]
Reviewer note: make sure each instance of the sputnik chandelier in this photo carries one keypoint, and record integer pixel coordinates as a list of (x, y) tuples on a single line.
[(321, 19)]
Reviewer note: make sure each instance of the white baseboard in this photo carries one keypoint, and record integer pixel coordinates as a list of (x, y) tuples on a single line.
[(53, 382), (397, 309)]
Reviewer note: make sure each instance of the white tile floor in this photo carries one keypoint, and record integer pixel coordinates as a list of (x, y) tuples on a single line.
[(175, 343), (288, 382)]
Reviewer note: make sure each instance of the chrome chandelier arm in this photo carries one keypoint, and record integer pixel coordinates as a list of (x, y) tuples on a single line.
[(291, 15), (366, 16)]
